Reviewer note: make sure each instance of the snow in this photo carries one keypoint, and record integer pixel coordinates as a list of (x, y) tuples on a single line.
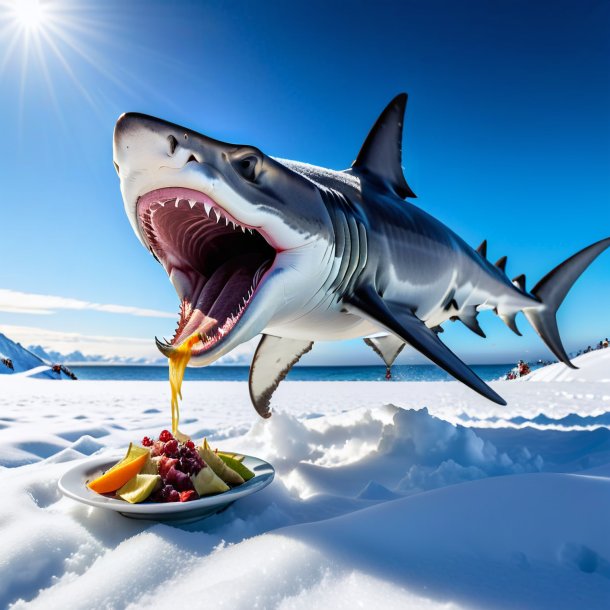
[(593, 366), (398, 495), (25, 363)]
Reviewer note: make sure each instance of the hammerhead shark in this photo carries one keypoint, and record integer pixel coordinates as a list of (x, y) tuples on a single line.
[(255, 244)]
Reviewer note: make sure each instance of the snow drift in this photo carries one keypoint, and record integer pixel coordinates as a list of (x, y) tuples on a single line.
[(463, 504), (593, 366)]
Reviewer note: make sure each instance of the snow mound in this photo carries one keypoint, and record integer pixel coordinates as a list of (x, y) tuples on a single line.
[(594, 366), (381, 454), (397, 507)]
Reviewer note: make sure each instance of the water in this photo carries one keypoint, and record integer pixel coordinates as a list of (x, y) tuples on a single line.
[(405, 372)]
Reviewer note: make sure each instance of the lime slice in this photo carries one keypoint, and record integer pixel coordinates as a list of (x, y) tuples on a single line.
[(235, 456), (133, 453), (228, 475), (237, 466), (138, 488)]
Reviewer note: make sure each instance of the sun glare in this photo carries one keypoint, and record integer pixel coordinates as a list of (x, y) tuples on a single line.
[(59, 46), (28, 13)]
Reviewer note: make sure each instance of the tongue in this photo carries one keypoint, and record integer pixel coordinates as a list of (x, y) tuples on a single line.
[(221, 296), (229, 284)]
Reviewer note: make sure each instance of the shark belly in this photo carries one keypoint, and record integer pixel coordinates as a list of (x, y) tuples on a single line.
[(324, 324)]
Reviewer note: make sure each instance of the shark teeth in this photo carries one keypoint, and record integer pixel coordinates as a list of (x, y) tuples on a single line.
[(219, 215), (179, 236)]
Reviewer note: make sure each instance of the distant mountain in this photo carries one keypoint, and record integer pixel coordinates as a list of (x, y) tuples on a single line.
[(77, 357), (39, 351), (51, 356), (14, 358)]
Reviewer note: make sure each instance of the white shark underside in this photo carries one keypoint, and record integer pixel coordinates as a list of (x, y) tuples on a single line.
[(301, 253)]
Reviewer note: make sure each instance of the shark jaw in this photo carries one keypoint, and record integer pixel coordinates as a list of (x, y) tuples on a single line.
[(216, 263)]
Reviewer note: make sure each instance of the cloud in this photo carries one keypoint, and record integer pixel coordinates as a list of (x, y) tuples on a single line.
[(67, 342), (12, 301), (108, 346)]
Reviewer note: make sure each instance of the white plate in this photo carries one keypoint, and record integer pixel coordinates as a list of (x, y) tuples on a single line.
[(74, 485)]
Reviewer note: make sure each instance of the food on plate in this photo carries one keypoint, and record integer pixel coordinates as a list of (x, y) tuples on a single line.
[(236, 465), (169, 469), (228, 475), (139, 488), (206, 481), (122, 472)]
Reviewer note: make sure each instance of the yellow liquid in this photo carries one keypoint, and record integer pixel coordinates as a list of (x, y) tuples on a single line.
[(177, 365)]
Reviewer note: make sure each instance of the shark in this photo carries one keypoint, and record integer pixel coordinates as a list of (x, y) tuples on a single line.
[(259, 245)]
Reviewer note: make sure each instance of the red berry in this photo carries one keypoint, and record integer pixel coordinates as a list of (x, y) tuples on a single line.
[(147, 442), (171, 448), (173, 496), (158, 448), (190, 444), (165, 436), (189, 494)]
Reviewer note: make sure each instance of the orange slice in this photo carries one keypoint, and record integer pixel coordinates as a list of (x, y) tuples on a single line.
[(118, 475)]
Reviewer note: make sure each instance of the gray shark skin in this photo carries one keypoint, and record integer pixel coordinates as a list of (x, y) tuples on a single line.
[(255, 244)]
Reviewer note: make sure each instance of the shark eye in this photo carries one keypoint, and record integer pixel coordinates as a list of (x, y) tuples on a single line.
[(248, 167)]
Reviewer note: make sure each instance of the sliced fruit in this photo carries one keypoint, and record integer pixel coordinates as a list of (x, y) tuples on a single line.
[(138, 488), (118, 475), (186, 496), (226, 473), (150, 466), (133, 452), (237, 466), (235, 456), (207, 482)]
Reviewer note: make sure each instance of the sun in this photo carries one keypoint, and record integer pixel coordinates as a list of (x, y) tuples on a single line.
[(57, 46), (29, 14)]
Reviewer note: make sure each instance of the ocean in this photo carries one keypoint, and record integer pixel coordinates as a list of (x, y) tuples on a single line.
[(414, 372)]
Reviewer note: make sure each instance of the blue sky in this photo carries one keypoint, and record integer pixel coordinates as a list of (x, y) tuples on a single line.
[(507, 137)]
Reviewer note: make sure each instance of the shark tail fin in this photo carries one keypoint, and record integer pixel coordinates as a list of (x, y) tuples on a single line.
[(551, 291)]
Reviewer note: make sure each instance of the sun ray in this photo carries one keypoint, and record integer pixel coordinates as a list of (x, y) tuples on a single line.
[(41, 40), (49, 83), (8, 53), (69, 70), (89, 57), (23, 82)]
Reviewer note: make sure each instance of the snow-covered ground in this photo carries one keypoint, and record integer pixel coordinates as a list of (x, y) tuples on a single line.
[(17, 360), (442, 501), (594, 366)]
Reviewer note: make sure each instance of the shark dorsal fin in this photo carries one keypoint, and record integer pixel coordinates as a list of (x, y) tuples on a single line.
[(381, 154), (482, 249), (519, 282), (501, 263)]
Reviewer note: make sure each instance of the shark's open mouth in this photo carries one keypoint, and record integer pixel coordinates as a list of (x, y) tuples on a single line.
[(214, 261)]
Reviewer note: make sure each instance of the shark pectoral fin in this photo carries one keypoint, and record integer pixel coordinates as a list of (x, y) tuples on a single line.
[(273, 359), (403, 323), (387, 347)]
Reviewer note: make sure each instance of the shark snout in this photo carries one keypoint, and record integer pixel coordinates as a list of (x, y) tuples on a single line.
[(141, 141)]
